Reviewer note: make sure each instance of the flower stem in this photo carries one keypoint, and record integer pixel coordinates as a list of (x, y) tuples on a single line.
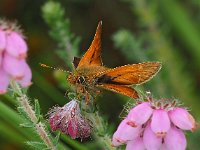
[(24, 103), (100, 130)]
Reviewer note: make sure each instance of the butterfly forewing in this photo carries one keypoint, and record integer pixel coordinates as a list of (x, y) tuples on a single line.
[(93, 54), (129, 74)]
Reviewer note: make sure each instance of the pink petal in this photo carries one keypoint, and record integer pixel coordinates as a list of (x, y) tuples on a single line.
[(16, 45), (72, 129), (26, 80), (160, 123), (13, 66), (151, 140), (139, 114), (136, 144), (1, 58), (163, 147), (125, 133), (2, 40), (4, 81), (182, 119), (175, 139)]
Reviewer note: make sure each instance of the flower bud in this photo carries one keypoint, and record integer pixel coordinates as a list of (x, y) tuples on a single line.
[(182, 119), (125, 133), (139, 114), (160, 123)]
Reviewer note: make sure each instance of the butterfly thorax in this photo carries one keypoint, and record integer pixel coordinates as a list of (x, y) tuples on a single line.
[(84, 78)]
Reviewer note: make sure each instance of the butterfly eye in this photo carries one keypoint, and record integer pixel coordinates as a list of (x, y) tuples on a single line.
[(81, 79)]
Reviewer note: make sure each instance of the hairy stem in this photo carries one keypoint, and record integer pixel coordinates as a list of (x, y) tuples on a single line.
[(24, 103), (100, 130)]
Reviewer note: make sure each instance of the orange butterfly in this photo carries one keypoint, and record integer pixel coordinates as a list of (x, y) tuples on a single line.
[(90, 74)]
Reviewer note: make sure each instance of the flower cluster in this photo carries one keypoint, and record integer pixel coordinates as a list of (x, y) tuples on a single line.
[(13, 52), (154, 126), (69, 120)]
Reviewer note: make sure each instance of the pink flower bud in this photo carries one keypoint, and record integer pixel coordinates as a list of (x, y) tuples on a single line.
[(125, 133), (2, 40), (72, 128), (136, 144), (16, 46), (69, 120), (151, 140), (139, 114), (160, 123), (175, 139), (14, 67), (26, 80), (182, 119), (4, 81)]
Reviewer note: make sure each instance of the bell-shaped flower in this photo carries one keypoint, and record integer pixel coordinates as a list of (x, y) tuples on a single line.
[(14, 67), (151, 140), (26, 80), (125, 133), (136, 144), (175, 139), (182, 119), (160, 123), (69, 120), (139, 114), (16, 45)]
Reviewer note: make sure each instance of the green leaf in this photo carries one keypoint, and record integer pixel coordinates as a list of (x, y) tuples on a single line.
[(23, 113), (56, 140), (27, 125), (37, 109), (71, 95), (36, 145)]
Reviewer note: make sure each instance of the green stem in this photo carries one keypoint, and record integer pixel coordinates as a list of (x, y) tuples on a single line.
[(24, 103), (100, 131)]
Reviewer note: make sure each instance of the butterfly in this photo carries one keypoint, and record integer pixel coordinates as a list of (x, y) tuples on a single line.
[(89, 75)]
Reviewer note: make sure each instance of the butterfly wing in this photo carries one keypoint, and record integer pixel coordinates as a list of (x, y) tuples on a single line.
[(129, 74), (93, 54), (122, 89)]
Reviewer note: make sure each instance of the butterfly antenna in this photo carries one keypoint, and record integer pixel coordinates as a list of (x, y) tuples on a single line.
[(54, 68)]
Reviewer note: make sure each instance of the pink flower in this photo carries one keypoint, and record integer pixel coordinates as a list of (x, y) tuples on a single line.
[(125, 133), (175, 139), (139, 114), (158, 128), (13, 50), (182, 119), (16, 46), (160, 123), (2, 40), (4, 81), (151, 140), (69, 120), (136, 144)]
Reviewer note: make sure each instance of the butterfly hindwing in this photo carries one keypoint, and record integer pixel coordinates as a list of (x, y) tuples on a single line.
[(121, 89)]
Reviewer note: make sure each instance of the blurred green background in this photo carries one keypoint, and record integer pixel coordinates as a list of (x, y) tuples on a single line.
[(133, 31)]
